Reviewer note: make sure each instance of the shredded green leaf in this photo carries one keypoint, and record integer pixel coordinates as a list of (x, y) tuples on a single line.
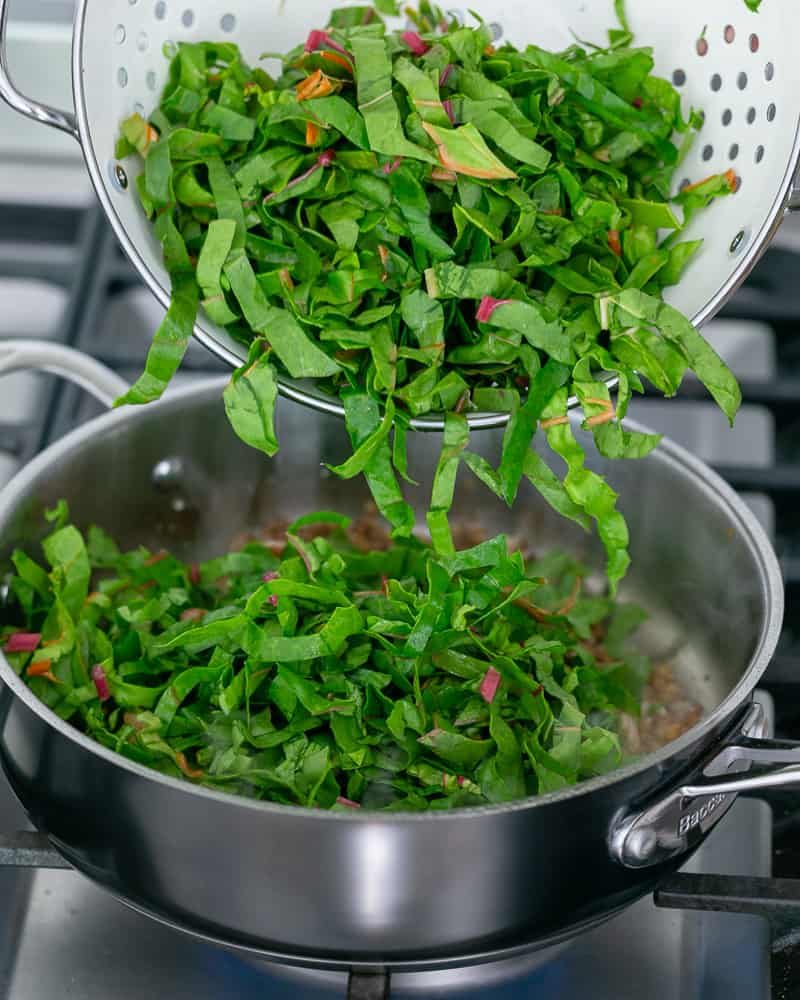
[(423, 224), (314, 671)]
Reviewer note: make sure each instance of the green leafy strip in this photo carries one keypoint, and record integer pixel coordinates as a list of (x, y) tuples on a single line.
[(422, 224), (313, 671)]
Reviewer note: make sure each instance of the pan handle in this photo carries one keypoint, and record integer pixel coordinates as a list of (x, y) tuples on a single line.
[(63, 120), (39, 355), (674, 823)]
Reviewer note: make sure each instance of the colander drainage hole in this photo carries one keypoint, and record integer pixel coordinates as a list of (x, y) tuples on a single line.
[(716, 83), (119, 178), (730, 34), (708, 152), (734, 151), (755, 43), (769, 72), (119, 34), (151, 80), (760, 154), (751, 115), (160, 10), (187, 18), (679, 77), (228, 23), (772, 111), (739, 242), (122, 77), (142, 41), (727, 116), (741, 81)]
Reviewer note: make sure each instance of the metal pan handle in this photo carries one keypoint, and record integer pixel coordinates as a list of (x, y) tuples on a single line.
[(63, 120), (24, 355), (676, 822)]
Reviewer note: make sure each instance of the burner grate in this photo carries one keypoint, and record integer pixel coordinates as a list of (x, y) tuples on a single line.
[(368, 986), (53, 246), (775, 899)]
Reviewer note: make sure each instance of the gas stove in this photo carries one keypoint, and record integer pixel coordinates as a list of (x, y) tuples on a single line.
[(62, 276)]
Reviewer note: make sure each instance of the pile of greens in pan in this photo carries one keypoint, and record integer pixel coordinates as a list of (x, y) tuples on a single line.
[(429, 221), (326, 675)]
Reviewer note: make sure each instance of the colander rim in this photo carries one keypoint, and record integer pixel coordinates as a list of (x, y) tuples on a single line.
[(293, 389)]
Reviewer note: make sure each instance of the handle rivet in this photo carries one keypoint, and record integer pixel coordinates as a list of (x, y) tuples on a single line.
[(642, 843), (168, 474)]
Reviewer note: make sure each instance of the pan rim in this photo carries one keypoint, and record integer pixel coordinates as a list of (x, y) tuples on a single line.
[(764, 558)]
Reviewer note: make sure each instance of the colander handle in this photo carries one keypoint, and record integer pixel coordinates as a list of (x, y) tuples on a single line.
[(63, 120), (79, 368)]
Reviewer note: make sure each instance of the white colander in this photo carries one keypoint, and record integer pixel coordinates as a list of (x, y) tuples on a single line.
[(738, 67)]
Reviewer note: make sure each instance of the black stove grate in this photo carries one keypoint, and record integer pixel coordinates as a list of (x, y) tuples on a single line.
[(53, 245)]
